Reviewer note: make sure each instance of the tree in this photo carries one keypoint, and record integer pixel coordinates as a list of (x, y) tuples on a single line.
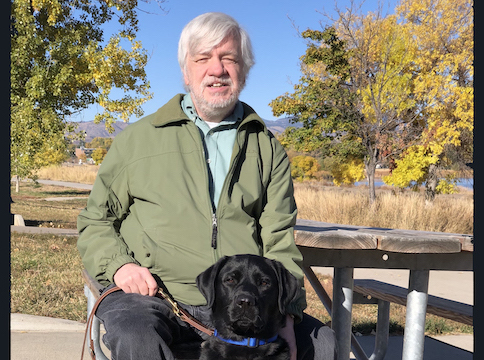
[(61, 64), (355, 94), (348, 172), (443, 32), (304, 167), (99, 142), (98, 155)]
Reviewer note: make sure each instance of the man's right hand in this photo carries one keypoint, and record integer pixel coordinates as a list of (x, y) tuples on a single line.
[(132, 278)]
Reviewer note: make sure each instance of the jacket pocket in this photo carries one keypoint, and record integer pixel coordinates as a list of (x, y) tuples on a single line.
[(148, 257)]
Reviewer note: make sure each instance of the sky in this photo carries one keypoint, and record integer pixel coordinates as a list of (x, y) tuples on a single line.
[(272, 26)]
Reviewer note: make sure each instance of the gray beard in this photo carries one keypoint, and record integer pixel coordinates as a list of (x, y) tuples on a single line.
[(217, 108)]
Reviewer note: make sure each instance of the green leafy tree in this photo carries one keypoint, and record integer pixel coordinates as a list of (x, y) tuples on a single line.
[(99, 142), (354, 97), (61, 64)]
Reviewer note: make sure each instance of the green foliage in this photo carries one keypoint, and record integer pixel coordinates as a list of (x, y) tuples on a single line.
[(399, 85), (99, 142), (304, 167), (60, 65)]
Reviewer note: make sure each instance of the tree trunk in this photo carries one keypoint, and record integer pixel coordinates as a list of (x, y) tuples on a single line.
[(431, 184), (17, 183), (370, 175)]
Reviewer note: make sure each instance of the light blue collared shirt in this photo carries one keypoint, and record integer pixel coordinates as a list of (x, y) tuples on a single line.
[(218, 143)]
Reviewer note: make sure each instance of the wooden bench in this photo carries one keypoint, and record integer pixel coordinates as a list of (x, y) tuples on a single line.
[(92, 290), (372, 290)]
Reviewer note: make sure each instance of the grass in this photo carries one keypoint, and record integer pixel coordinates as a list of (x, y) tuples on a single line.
[(46, 270), (45, 276), (31, 203), (407, 210), (84, 174)]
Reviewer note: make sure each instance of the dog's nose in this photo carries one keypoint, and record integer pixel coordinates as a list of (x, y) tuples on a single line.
[(245, 300)]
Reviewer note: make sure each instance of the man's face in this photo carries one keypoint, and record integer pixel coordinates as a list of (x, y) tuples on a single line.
[(214, 78)]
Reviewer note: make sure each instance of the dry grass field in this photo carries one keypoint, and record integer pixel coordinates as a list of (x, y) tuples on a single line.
[(45, 269), (84, 174), (407, 210)]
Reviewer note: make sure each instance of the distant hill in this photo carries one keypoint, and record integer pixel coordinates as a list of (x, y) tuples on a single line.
[(278, 126), (93, 130)]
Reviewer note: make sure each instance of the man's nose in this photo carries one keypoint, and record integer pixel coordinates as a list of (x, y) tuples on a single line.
[(216, 67)]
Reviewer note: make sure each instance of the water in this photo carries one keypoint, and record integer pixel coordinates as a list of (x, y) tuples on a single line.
[(467, 183)]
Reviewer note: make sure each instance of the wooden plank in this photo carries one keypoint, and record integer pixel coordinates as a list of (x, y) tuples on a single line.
[(416, 244), (467, 243), (448, 309), (339, 239), (338, 236), (93, 285)]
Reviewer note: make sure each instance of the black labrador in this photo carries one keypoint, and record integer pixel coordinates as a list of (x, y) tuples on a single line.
[(248, 296)]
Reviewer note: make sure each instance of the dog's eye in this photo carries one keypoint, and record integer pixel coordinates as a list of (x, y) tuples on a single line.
[(229, 280), (265, 283)]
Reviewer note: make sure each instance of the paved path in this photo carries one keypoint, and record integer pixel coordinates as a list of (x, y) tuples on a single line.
[(66, 184)]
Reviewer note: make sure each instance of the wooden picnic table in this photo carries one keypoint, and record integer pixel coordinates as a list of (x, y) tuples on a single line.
[(345, 247)]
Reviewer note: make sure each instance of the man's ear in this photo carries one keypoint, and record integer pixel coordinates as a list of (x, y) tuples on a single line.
[(185, 78), (206, 281)]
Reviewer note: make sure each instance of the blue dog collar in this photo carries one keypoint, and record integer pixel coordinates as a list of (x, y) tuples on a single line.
[(249, 342)]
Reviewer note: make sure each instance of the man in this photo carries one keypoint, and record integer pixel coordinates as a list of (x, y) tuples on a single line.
[(199, 179)]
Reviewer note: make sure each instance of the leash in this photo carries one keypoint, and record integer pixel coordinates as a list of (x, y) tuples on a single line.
[(184, 315), (181, 313)]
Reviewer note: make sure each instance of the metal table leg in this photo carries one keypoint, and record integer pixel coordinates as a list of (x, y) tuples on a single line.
[(414, 336), (328, 304), (382, 328), (342, 307)]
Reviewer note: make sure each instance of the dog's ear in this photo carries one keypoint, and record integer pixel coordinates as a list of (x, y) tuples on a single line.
[(206, 280), (288, 285)]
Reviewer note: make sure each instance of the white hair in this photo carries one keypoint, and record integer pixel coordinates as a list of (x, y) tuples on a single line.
[(207, 31)]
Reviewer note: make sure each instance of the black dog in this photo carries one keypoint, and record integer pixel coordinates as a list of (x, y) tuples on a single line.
[(248, 295)]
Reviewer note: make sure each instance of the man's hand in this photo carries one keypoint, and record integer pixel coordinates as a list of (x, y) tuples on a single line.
[(132, 278), (287, 333)]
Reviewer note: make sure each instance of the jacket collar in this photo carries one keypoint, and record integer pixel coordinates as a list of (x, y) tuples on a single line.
[(249, 342), (172, 112)]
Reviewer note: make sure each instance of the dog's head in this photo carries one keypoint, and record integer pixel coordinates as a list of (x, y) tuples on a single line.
[(248, 295)]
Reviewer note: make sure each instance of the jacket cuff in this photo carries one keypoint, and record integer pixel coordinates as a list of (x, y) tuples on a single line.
[(116, 264)]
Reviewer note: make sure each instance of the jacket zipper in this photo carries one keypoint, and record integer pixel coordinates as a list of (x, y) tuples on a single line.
[(214, 216), (229, 176), (214, 230)]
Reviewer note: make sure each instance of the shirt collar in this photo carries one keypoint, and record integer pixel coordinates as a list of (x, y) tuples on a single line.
[(189, 109)]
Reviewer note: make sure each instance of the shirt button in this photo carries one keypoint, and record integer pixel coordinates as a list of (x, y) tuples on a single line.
[(208, 161)]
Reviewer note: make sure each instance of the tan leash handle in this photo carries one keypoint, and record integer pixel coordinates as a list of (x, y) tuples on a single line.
[(184, 315)]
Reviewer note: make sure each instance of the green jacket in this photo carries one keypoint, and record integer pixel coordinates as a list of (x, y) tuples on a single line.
[(150, 204)]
